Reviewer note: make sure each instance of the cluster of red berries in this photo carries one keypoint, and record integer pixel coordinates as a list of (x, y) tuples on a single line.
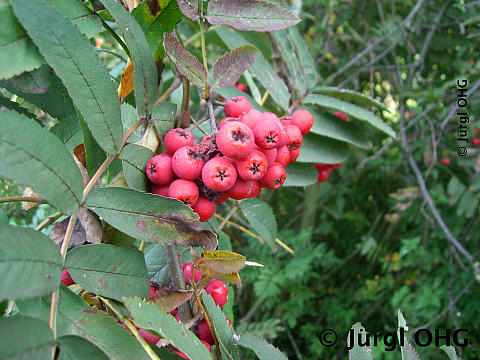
[(476, 141), (324, 170), (249, 152)]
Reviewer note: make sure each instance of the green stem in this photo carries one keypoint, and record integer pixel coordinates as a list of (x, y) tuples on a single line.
[(49, 220), (34, 199), (142, 246), (202, 34)]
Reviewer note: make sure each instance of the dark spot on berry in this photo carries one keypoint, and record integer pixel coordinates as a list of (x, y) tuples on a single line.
[(239, 135), (293, 146), (181, 133), (272, 138), (279, 181), (221, 174), (254, 168), (153, 169), (193, 154)]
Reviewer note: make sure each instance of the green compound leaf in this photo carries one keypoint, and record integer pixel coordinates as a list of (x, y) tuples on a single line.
[(109, 270), (87, 81), (30, 263), (149, 217), (300, 174), (261, 218), (350, 95), (37, 158), (319, 149)]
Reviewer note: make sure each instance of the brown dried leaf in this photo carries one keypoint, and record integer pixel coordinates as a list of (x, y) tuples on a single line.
[(189, 8), (228, 69), (224, 262), (126, 83), (168, 300)]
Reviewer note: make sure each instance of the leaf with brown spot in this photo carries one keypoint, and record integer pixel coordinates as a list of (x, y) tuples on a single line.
[(168, 300), (232, 278), (228, 69)]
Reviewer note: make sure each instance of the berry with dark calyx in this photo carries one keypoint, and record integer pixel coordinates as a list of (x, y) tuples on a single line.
[(271, 155), (294, 155), (160, 190), (303, 119), (253, 166), (341, 115), (204, 208), (235, 140), (185, 191), (446, 161), (159, 169), (154, 288), (241, 87), (283, 156), (225, 121), (218, 291), (148, 337), (244, 189), (187, 273), (66, 278), (267, 134), (205, 191), (236, 106), (187, 163), (295, 137), (177, 138), (275, 177), (222, 198), (476, 141), (251, 118), (219, 174), (207, 147)]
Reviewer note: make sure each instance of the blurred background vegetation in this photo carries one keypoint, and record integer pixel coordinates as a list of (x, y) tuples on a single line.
[(367, 242)]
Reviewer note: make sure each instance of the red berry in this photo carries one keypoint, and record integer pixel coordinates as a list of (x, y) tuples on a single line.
[(187, 274), (184, 190), (160, 189), (177, 138), (294, 155), (149, 337), (275, 176), (320, 166), (476, 141), (253, 166), (229, 322), (235, 140), (154, 288), (159, 169), (204, 208), (270, 116), (206, 344), (225, 121), (271, 155), (251, 118), (303, 119), (241, 87), (283, 135), (287, 120), (323, 175), (341, 115), (66, 278), (221, 198), (204, 332), (294, 137), (218, 291), (283, 156), (236, 106), (446, 161), (267, 134), (244, 189), (477, 131), (187, 163), (219, 174)]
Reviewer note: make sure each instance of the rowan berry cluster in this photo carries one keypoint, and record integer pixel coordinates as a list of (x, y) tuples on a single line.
[(249, 152), (324, 170)]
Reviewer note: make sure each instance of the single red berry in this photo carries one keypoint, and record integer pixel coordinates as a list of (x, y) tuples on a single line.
[(251, 118), (187, 163), (267, 134), (253, 166), (149, 337), (204, 332), (241, 87), (66, 278), (286, 120), (244, 189), (295, 137), (266, 116), (221, 198), (303, 119), (341, 115), (154, 288), (270, 154), (446, 161), (159, 169), (320, 166), (218, 291), (160, 189), (185, 191), (275, 177), (235, 140), (476, 141), (323, 175), (187, 274), (204, 208), (177, 138), (283, 156), (229, 322), (219, 174), (283, 135), (294, 155), (477, 131), (236, 106), (225, 121)]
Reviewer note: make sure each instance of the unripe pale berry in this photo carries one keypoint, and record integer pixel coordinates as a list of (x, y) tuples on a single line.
[(275, 177), (236, 106), (219, 174), (235, 140), (187, 163), (253, 166), (204, 208), (184, 190), (177, 138), (303, 119), (159, 169)]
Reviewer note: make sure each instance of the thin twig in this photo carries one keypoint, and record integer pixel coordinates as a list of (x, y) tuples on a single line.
[(34, 199), (177, 81), (49, 220), (197, 124), (227, 217), (213, 122)]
